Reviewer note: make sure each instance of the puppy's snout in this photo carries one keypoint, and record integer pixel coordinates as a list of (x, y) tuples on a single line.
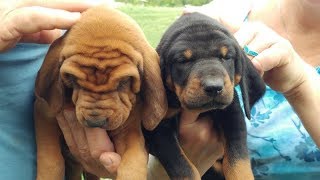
[(213, 86), (96, 123)]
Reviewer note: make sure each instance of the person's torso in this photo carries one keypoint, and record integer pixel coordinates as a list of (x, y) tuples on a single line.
[(18, 70)]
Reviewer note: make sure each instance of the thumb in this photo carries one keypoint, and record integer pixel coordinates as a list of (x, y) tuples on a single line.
[(274, 57), (111, 161), (42, 37)]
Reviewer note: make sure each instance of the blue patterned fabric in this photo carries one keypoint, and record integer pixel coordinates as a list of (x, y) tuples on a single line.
[(18, 69), (279, 146)]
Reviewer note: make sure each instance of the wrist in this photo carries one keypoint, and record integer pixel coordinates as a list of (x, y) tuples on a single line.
[(309, 81), (305, 102)]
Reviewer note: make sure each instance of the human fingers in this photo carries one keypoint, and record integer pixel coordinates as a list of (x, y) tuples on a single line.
[(281, 65), (201, 143), (102, 150), (42, 37), (98, 141), (257, 34), (272, 57), (30, 20), (111, 161), (228, 12), (257, 38), (66, 131), (70, 5), (245, 34), (76, 141), (79, 147), (264, 38)]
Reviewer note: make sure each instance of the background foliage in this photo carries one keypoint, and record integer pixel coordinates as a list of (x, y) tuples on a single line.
[(153, 20), (168, 3)]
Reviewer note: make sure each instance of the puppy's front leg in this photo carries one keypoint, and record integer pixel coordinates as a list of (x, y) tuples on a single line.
[(50, 163), (236, 161), (163, 144), (131, 146)]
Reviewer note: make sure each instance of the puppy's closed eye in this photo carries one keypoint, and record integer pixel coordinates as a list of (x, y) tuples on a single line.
[(226, 58), (69, 80), (124, 83)]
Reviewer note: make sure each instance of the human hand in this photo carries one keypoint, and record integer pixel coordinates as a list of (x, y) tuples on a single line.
[(199, 140), (278, 63), (37, 21), (92, 147), (230, 13)]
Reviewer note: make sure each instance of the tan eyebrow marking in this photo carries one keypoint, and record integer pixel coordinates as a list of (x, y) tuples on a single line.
[(237, 79), (187, 53), (224, 50)]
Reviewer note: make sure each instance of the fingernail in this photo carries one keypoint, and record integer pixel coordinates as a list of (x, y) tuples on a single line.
[(74, 15), (95, 2), (257, 65), (105, 160)]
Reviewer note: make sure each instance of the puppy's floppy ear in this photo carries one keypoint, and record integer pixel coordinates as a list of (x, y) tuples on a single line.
[(154, 96), (49, 90), (251, 84)]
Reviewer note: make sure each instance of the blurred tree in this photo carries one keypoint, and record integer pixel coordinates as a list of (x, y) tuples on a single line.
[(170, 3)]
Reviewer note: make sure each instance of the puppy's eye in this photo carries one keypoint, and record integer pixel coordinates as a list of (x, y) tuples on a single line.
[(183, 60), (226, 58), (123, 83), (69, 80)]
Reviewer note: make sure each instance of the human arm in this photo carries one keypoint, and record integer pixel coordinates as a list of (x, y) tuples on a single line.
[(285, 71), (305, 100)]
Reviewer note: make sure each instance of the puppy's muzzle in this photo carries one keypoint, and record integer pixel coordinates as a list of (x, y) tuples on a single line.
[(101, 123), (213, 86)]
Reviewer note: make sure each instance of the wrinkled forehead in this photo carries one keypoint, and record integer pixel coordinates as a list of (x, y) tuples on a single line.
[(100, 61), (100, 72)]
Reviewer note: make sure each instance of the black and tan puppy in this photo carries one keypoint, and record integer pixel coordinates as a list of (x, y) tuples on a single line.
[(201, 64)]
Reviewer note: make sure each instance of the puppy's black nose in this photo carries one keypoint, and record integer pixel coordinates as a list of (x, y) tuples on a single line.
[(213, 86), (96, 123)]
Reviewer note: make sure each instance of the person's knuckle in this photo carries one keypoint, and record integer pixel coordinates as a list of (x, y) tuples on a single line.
[(31, 14), (84, 153), (74, 151), (96, 154), (258, 25), (285, 43)]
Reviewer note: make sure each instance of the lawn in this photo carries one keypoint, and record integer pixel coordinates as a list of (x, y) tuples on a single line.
[(153, 20)]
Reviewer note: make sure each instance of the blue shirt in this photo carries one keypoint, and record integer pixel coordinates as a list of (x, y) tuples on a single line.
[(279, 145), (18, 70)]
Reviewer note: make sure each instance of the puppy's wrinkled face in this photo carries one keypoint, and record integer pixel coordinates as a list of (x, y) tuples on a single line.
[(201, 69), (103, 87)]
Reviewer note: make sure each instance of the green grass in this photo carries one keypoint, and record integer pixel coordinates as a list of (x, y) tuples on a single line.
[(153, 20)]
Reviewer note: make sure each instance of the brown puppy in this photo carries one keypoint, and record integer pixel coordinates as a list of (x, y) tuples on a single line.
[(105, 70)]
